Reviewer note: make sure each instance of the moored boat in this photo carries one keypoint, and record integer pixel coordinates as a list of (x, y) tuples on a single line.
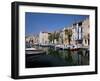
[(34, 51), (68, 47)]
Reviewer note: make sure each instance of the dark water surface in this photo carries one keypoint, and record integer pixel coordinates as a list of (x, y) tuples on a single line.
[(52, 57)]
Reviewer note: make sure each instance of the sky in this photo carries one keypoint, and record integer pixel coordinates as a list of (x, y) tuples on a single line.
[(47, 22)]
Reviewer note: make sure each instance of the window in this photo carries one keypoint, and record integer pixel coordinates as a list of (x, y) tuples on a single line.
[(85, 41)]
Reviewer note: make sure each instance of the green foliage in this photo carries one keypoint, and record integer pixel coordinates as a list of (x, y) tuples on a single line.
[(50, 37), (69, 33), (57, 35), (53, 36)]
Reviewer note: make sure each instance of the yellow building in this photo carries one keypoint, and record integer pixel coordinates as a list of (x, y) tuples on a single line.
[(86, 32), (67, 31)]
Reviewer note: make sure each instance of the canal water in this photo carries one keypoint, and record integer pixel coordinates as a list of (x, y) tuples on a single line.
[(52, 57)]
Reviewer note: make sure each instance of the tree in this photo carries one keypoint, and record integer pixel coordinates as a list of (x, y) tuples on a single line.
[(68, 33), (51, 37), (57, 35)]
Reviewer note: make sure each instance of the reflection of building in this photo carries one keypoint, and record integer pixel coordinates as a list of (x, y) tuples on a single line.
[(43, 38)]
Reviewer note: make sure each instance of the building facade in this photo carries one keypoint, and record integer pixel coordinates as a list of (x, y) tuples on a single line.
[(86, 32), (79, 35), (67, 35), (43, 38), (31, 40)]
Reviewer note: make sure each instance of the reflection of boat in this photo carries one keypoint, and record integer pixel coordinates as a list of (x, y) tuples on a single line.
[(44, 45), (34, 51), (74, 49)]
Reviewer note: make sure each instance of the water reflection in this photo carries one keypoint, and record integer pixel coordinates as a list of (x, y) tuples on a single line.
[(60, 57)]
